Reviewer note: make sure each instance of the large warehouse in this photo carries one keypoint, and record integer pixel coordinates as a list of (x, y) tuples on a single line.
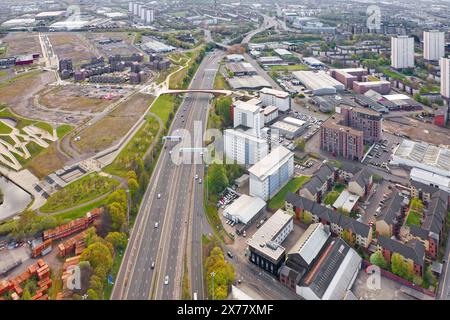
[(423, 156), (320, 83), (245, 209)]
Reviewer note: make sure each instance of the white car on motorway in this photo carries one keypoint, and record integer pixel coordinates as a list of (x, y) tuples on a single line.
[(166, 280)]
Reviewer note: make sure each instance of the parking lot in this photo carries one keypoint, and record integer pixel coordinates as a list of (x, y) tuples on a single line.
[(380, 153), (307, 168)]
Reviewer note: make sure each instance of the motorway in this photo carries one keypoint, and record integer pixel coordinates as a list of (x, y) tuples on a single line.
[(179, 213)]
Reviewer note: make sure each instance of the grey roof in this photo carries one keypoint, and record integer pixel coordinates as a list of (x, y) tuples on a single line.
[(391, 211), (329, 215), (319, 178), (418, 232), (326, 268), (350, 168), (362, 178), (423, 187), (436, 212), (413, 249)]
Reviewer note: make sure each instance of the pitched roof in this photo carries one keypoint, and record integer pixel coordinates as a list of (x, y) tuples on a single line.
[(391, 211), (319, 178), (436, 212), (423, 187), (327, 214), (362, 178), (413, 249)]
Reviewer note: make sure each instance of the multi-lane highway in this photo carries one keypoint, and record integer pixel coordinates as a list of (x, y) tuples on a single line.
[(171, 221)]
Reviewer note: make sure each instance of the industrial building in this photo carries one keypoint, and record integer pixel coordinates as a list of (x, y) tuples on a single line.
[(381, 86), (265, 245), (430, 179), (423, 156), (241, 69), (433, 45), (320, 83), (320, 267), (289, 127), (402, 52), (154, 46), (244, 209), (313, 63), (271, 173), (277, 98), (348, 76), (235, 58), (249, 83)]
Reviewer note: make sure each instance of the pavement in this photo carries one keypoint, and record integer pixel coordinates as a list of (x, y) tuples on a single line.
[(179, 208)]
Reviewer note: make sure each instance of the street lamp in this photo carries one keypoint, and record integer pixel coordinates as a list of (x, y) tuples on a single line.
[(212, 276)]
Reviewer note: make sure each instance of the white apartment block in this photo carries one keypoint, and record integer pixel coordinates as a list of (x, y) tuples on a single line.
[(445, 78), (277, 98), (402, 52), (433, 45), (244, 148), (249, 115), (271, 173)]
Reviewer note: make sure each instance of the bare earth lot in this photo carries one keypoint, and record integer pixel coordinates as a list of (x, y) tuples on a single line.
[(73, 98), (20, 43), (123, 48), (418, 130), (112, 128), (72, 46)]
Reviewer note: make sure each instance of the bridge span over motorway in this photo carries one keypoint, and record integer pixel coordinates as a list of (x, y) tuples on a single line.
[(212, 91)]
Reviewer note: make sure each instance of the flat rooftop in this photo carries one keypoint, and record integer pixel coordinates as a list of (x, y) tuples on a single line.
[(271, 162), (318, 80), (263, 237), (277, 93)]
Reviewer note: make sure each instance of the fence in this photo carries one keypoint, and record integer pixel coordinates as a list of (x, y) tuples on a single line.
[(400, 280)]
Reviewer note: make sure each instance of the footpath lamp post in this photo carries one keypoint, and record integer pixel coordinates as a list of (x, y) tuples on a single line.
[(212, 276)]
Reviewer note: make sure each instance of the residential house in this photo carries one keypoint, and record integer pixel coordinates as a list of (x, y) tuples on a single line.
[(321, 182)]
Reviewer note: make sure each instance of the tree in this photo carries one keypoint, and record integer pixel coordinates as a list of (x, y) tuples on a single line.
[(26, 295), (223, 105), (217, 178), (307, 218), (402, 268), (117, 214), (378, 259), (348, 237), (117, 239), (92, 295), (300, 144), (100, 258)]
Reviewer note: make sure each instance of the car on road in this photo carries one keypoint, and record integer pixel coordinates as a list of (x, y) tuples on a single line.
[(166, 280), (230, 254), (196, 176), (156, 224), (153, 265), (159, 196), (200, 180)]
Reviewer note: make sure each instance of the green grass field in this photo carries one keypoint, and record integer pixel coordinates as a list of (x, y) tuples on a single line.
[(62, 130), (163, 106), (293, 186), (413, 218), (4, 129), (80, 212), (83, 190), (331, 197)]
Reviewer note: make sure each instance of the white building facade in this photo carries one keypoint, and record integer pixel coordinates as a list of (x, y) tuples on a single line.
[(445, 78), (433, 45), (277, 98), (271, 173), (402, 52), (244, 148)]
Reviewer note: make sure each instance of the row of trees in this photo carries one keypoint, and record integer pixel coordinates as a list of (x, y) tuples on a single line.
[(403, 268), (219, 274)]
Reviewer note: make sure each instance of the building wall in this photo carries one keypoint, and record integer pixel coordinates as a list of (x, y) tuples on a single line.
[(355, 188), (342, 143), (433, 45), (445, 78), (244, 150), (269, 186), (402, 52), (271, 100)]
